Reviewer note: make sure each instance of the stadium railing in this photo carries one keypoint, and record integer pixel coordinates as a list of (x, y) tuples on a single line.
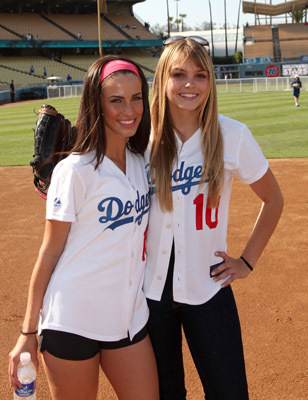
[(247, 85), (65, 91), (254, 85)]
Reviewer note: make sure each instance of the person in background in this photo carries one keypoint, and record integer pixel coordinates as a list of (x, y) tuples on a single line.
[(12, 91), (68, 78), (195, 153), (86, 286), (296, 86), (31, 69), (45, 72)]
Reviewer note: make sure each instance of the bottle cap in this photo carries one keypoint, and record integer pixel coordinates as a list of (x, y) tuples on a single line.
[(25, 358)]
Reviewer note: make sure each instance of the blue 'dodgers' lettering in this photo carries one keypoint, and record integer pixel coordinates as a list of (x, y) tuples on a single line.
[(183, 179), (119, 213)]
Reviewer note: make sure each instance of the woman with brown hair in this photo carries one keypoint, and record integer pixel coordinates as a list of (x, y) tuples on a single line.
[(86, 287), (195, 153)]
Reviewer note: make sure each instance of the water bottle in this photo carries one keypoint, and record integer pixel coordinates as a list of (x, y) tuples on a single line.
[(26, 374)]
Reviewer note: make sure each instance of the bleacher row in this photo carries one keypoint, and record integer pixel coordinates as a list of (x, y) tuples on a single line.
[(292, 37), (57, 27), (18, 68), (66, 27)]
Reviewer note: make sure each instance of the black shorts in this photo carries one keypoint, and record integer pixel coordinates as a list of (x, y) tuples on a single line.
[(69, 346)]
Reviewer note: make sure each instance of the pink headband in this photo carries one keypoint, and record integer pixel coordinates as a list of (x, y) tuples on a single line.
[(117, 65)]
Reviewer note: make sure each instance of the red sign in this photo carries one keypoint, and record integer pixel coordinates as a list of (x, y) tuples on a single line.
[(271, 71)]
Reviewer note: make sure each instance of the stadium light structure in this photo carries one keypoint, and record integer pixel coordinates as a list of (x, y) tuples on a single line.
[(99, 28), (226, 38), (101, 8), (237, 25), (211, 22)]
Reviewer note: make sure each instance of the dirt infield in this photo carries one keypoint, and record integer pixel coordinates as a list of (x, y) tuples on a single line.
[(272, 301)]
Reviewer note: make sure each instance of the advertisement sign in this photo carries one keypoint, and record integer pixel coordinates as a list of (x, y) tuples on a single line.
[(294, 69), (257, 60), (272, 71)]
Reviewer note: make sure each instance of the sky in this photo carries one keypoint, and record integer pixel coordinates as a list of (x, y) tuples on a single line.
[(197, 11)]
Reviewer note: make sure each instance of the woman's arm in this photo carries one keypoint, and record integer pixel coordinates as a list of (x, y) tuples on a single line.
[(267, 189), (54, 240)]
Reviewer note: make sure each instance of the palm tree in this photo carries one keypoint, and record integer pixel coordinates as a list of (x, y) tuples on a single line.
[(177, 22), (168, 18), (298, 16), (177, 16), (182, 20)]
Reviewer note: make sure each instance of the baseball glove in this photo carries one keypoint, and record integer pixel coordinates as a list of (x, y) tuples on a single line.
[(53, 138)]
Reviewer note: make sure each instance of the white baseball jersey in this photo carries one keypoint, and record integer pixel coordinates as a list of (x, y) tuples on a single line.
[(197, 230), (96, 288)]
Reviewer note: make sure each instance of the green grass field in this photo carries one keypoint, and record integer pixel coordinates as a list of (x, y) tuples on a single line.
[(279, 127)]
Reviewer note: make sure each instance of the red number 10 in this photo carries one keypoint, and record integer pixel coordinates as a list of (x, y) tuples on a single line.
[(199, 203)]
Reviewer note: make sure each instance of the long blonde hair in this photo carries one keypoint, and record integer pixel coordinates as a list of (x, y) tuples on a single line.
[(164, 151)]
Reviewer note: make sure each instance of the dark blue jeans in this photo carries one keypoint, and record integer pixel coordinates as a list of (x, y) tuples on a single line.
[(213, 334)]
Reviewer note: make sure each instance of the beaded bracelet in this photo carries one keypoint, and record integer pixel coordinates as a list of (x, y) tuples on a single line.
[(247, 263), (28, 333)]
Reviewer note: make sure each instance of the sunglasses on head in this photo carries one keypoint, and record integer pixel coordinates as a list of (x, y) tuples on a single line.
[(198, 39)]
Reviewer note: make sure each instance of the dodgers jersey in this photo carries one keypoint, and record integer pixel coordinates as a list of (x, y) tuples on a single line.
[(197, 230), (96, 288)]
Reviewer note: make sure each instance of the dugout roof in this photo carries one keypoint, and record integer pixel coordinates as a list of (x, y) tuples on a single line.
[(250, 7)]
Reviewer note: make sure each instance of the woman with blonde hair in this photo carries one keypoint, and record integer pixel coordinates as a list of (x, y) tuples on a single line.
[(194, 155)]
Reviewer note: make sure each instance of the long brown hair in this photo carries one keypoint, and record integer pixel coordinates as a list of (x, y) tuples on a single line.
[(164, 151), (90, 120)]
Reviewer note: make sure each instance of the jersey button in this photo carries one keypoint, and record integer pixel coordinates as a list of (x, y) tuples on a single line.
[(132, 254), (159, 277), (168, 226), (130, 283), (164, 251)]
